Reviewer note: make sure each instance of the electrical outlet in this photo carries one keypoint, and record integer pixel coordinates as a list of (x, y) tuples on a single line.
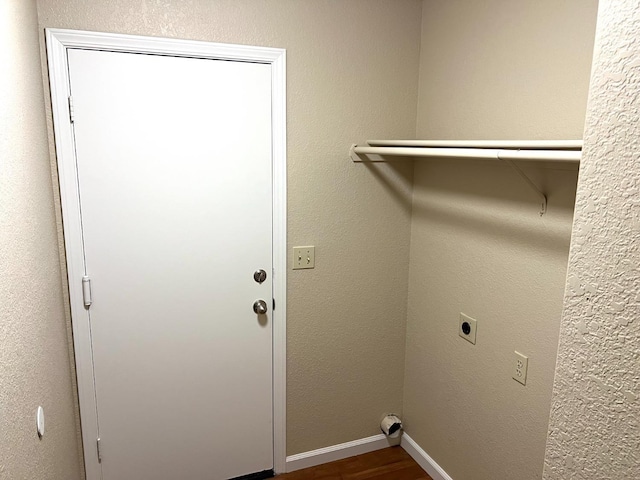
[(520, 365), (467, 328), (304, 257)]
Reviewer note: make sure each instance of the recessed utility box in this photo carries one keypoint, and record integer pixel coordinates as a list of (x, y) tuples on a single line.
[(467, 328)]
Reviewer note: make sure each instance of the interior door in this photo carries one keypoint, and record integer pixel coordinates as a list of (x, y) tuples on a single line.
[(174, 172)]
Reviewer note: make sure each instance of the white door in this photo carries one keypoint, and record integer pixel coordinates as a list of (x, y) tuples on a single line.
[(174, 173)]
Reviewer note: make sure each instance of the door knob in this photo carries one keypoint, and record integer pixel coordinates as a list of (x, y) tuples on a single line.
[(260, 307)]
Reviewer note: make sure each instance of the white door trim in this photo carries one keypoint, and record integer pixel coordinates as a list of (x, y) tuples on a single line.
[(58, 42)]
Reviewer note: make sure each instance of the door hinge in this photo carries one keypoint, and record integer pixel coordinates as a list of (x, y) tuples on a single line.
[(98, 449), (86, 291), (71, 112)]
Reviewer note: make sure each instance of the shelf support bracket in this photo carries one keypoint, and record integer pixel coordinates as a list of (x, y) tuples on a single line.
[(353, 155), (533, 186)]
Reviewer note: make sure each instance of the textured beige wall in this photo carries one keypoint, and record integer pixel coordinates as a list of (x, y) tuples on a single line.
[(504, 69), (491, 69), (594, 431), (34, 356), (352, 74)]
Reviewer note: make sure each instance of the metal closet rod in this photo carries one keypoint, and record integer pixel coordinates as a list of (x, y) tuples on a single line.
[(505, 150), (359, 154)]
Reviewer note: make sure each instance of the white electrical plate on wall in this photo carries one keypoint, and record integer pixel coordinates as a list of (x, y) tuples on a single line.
[(467, 328), (304, 257), (520, 365)]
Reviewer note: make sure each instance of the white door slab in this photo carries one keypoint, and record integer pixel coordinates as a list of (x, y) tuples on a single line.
[(174, 159)]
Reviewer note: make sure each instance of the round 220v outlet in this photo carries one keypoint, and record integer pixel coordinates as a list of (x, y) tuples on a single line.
[(467, 328)]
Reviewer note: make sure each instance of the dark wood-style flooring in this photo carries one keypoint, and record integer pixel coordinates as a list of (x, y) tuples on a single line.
[(391, 463)]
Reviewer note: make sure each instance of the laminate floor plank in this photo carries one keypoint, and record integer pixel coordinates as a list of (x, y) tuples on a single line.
[(391, 463)]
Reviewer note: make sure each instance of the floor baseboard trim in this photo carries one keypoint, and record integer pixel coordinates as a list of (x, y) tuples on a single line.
[(427, 463), (336, 452)]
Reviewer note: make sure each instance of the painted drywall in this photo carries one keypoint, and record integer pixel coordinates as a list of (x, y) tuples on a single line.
[(501, 69), (34, 355), (352, 70), (594, 430), (505, 70)]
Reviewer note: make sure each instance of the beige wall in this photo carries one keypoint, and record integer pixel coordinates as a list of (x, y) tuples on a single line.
[(352, 74), (594, 431), (34, 356), (505, 70)]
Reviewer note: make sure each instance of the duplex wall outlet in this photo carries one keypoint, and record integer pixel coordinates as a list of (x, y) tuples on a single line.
[(304, 257), (467, 328), (520, 365)]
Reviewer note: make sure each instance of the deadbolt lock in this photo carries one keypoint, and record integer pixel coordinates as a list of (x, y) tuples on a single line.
[(260, 276)]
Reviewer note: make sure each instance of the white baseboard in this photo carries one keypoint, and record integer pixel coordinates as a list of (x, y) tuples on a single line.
[(427, 463), (336, 452)]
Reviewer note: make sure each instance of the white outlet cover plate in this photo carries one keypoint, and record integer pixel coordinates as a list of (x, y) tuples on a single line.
[(520, 366), (304, 257), (473, 324)]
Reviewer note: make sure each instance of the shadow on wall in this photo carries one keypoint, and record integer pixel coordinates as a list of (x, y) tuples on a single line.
[(396, 178), (490, 200)]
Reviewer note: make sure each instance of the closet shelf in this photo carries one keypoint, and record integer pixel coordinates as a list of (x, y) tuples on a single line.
[(361, 153), (505, 150), (508, 144)]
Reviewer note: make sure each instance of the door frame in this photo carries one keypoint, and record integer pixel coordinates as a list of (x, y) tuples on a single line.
[(58, 42)]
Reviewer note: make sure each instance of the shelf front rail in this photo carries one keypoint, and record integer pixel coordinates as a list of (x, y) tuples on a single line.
[(508, 144)]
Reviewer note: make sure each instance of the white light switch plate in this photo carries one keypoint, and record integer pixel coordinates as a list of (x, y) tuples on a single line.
[(304, 257)]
